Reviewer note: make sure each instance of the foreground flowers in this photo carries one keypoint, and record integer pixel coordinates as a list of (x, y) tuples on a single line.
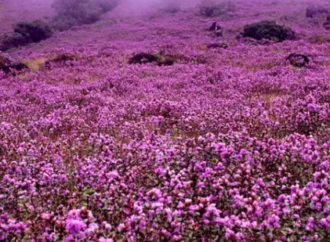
[(229, 185), (224, 145)]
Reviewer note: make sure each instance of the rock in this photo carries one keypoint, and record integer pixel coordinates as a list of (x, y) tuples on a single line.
[(220, 45), (159, 59), (167, 61), (268, 30), (216, 29), (142, 58), (316, 10), (298, 60), (7, 65)]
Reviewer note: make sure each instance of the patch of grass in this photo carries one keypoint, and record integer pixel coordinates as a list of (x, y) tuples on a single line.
[(269, 98), (35, 64)]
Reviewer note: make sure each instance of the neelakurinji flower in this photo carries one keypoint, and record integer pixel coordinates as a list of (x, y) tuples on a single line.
[(225, 144)]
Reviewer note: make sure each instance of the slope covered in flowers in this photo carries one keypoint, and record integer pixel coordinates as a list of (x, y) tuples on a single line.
[(224, 145)]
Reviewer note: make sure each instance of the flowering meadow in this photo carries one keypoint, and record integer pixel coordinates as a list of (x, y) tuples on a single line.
[(221, 143)]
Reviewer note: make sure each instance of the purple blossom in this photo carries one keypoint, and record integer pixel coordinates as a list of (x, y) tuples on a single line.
[(222, 144)]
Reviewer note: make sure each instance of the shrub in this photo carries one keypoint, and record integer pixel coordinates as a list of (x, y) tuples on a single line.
[(12, 40), (33, 32), (24, 34), (268, 30), (298, 60), (77, 12)]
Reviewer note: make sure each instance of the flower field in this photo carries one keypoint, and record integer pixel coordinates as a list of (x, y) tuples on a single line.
[(220, 144)]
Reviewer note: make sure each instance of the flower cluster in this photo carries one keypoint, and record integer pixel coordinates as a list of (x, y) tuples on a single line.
[(224, 145)]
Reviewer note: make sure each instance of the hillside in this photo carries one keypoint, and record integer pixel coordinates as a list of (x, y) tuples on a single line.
[(217, 138)]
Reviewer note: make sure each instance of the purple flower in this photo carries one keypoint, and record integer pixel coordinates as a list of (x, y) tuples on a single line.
[(74, 226), (105, 240)]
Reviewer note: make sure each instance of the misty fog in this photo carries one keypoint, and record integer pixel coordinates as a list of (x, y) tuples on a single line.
[(12, 10)]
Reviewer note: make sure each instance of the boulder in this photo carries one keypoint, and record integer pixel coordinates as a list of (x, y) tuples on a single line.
[(298, 60), (142, 58)]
